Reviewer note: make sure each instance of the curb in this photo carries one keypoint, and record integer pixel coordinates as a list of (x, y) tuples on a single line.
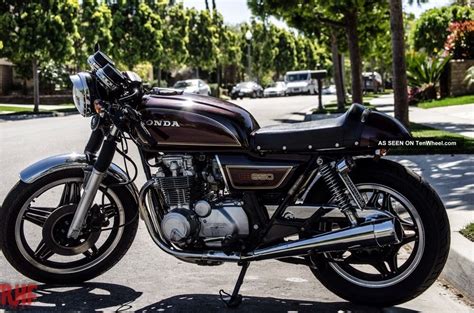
[(316, 117), (459, 268), (19, 117)]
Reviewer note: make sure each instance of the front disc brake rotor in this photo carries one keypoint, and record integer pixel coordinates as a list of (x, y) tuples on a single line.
[(55, 233)]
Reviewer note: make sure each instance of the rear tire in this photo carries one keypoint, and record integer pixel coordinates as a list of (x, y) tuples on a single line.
[(436, 238), (18, 198)]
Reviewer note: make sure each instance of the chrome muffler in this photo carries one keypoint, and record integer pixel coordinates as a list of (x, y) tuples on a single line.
[(377, 231)]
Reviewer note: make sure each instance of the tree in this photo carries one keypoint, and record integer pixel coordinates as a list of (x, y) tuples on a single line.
[(399, 63), (376, 42), (285, 58), (202, 44), (136, 33), (228, 46), (311, 16), (175, 38), (263, 49), (94, 22), (25, 25), (432, 27)]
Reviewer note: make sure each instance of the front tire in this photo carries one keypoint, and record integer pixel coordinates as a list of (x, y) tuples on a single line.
[(411, 281), (56, 260)]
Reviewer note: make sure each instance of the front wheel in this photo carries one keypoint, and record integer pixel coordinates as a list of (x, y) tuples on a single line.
[(393, 274), (35, 219)]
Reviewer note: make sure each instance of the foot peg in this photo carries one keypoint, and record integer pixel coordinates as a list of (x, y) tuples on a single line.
[(235, 299)]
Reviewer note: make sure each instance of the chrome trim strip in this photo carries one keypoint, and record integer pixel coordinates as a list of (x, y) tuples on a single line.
[(172, 143), (289, 168)]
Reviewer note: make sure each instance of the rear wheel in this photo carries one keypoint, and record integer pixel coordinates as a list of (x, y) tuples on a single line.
[(34, 222), (394, 274)]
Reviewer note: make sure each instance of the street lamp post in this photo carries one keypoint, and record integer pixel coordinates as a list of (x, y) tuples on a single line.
[(248, 36)]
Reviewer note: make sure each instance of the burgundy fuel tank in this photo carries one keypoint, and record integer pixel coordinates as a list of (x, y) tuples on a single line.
[(180, 122)]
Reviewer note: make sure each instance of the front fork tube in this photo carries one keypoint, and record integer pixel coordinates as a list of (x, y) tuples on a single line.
[(93, 183)]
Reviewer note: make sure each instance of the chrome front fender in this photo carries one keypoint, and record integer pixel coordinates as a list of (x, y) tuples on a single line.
[(73, 160)]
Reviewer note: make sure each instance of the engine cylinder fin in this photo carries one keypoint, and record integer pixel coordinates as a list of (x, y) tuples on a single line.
[(176, 190)]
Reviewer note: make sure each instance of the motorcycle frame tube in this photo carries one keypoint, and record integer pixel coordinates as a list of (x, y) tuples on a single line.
[(374, 233)]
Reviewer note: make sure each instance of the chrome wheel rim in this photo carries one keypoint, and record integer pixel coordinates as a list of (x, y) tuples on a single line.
[(38, 254), (410, 250)]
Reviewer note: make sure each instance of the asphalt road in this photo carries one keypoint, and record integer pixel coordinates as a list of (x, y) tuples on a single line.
[(149, 280)]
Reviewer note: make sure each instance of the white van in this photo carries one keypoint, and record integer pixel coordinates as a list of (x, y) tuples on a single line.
[(300, 82)]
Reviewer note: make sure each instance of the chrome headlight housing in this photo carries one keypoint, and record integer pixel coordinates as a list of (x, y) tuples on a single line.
[(83, 93)]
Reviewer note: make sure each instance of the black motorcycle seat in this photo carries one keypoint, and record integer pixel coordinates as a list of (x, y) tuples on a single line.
[(331, 133)]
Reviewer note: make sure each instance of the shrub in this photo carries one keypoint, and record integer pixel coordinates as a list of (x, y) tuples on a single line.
[(424, 72), (469, 79), (460, 41)]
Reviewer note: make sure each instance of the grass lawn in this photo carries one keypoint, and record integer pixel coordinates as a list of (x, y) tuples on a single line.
[(468, 232), (447, 102), (17, 110), (5, 108), (418, 131)]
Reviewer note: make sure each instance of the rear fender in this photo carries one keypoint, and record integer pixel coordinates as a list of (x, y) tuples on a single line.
[(378, 126), (74, 160)]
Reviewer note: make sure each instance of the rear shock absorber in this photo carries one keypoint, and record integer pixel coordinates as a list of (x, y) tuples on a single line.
[(336, 188)]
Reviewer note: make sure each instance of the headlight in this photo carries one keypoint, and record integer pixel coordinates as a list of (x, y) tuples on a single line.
[(82, 93)]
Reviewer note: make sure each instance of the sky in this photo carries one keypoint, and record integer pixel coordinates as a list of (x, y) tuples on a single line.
[(236, 11)]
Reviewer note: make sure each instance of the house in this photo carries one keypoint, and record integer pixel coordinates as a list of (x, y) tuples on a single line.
[(6, 76)]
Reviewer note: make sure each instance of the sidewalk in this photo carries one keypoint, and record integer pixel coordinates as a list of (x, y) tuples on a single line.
[(453, 178), (457, 118)]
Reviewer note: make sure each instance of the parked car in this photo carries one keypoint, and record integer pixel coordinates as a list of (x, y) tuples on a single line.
[(329, 90), (301, 82), (246, 89), (275, 89), (372, 81), (196, 86)]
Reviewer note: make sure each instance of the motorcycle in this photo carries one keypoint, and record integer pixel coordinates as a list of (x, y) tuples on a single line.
[(219, 188)]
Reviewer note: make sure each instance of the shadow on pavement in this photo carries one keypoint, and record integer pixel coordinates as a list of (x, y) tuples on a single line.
[(211, 303), (451, 127), (112, 297), (451, 176), (82, 297)]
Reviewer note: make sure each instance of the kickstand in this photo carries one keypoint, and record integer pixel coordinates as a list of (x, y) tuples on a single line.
[(235, 299)]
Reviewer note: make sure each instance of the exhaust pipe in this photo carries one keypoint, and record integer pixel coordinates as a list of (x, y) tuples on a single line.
[(370, 234), (383, 230)]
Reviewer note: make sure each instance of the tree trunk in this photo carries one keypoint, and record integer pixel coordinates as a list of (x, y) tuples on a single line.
[(399, 63), (158, 74), (341, 101), (340, 58), (354, 54), (219, 80), (35, 86)]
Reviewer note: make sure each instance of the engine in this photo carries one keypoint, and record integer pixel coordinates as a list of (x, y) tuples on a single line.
[(197, 212)]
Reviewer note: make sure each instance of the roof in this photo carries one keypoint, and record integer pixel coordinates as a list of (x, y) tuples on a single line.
[(4, 61)]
